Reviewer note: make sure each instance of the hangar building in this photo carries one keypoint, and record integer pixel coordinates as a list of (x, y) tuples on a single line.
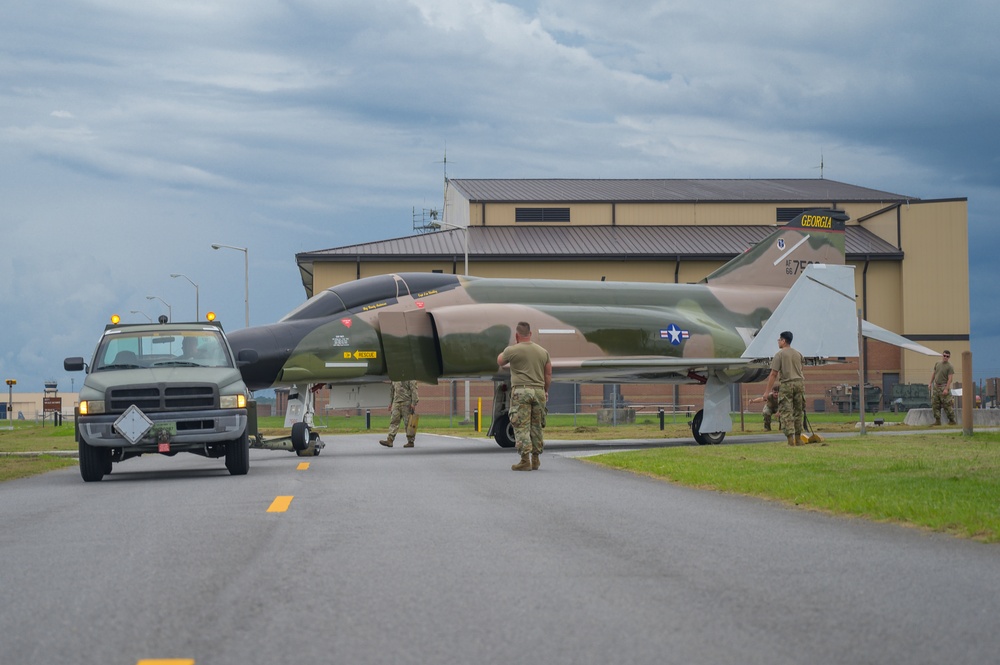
[(910, 255)]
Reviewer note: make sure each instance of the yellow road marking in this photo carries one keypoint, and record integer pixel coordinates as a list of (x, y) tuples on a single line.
[(166, 661), (303, 466), (280, 504)]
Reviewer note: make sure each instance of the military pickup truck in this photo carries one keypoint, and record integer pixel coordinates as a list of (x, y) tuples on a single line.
[(162, 388)]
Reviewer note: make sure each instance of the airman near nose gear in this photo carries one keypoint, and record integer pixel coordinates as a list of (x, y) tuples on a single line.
[(404, 398)]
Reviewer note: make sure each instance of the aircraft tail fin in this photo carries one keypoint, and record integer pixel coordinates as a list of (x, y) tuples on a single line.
[(815, 236), (820, 312)]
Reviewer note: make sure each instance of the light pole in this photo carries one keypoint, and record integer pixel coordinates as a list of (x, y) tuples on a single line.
[(136, 311), (246, 275), (197, 305), (170, 310), (10, 402)]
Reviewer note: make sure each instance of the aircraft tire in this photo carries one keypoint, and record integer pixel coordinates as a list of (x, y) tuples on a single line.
[(704, 438), (300, 436), (503, 432), (238, 455), (93, 462)]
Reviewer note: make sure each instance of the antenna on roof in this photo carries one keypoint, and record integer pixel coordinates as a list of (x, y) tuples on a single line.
[(431, 219), (820, 167)]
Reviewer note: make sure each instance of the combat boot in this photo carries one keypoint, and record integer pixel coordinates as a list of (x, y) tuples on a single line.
[(409, 443), (791, 440), (937, 421), (387, 442), (534, 461), (767, 427), (523, 465)]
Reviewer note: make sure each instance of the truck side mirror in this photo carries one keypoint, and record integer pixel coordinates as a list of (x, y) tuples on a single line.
[(74, 364)]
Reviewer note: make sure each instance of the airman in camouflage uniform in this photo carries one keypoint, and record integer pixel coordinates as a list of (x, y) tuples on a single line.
[(770, 407), (940, 387), (530, 378), (404, 397), (786, 367)]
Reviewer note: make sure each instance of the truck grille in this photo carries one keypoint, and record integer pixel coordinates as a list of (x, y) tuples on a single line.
[(160, 398)]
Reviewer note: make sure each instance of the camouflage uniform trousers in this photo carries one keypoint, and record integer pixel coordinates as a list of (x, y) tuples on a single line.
[(767, 412), (527, 413), (791, 407), (400, 414), (942, 398)]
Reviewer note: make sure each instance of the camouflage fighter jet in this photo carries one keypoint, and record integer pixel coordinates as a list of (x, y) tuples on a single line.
[(432, 327)]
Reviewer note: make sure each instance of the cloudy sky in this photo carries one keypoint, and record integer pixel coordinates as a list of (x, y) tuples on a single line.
[(133, 135)]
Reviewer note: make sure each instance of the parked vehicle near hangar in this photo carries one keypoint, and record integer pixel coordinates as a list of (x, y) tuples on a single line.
[(162, 388)]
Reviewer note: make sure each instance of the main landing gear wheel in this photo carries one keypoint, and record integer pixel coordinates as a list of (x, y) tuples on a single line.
[(503, 431), (703, 438)]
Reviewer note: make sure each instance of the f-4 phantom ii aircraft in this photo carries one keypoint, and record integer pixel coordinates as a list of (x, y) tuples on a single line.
[(432, 327)]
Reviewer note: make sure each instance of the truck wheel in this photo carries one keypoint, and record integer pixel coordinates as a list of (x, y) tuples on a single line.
[(93, 462), (503, 431), (238, 455)]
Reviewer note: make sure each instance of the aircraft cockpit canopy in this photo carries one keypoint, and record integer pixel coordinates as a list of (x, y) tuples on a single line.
[(387, 289)]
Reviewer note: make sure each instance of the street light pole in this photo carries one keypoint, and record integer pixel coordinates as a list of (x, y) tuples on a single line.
[(10, 402), (246, 276), (170, 310), (197, 305), (136, 311)]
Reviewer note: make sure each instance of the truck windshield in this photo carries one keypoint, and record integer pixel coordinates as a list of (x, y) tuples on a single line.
[(127, 349)]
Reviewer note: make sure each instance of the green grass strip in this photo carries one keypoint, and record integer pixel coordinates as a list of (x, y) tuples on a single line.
[(946, 483)]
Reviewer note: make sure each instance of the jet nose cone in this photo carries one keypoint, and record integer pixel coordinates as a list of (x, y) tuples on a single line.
[(270, 355)]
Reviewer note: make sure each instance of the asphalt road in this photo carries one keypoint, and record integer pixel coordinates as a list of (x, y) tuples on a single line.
[(441, 554)]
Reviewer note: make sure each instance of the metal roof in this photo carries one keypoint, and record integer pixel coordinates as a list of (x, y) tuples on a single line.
[(558, 190), (589, 242), (564, 243)]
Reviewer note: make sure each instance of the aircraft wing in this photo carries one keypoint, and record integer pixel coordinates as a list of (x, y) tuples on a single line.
[(641, 368)]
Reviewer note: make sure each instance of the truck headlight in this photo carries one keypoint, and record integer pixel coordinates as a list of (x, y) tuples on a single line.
[(91, 407), (233, 401)]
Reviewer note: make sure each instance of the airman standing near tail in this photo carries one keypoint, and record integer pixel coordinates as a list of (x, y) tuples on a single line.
[(786, 367), (530, 378), (404, 398), (940, 387)]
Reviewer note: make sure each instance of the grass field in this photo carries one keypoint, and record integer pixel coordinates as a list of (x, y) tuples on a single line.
[(942, 482)]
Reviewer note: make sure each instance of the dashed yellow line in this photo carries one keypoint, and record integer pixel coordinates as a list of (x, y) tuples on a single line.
[(302, 466), (280, 504), (166, 661)]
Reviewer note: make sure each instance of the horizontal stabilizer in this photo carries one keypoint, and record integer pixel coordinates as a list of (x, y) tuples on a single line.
[(819, 310), (873, 331)]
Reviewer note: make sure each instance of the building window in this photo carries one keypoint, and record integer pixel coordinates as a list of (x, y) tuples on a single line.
[(541, 214), (786, 215)]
